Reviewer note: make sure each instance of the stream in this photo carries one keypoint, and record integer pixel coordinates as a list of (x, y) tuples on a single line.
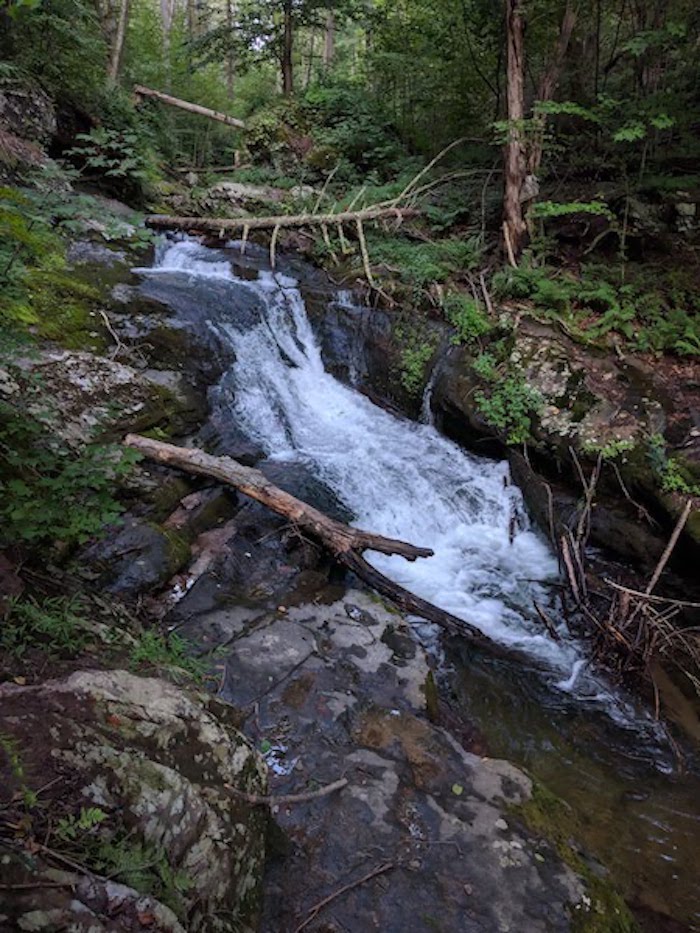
[(554, 713)]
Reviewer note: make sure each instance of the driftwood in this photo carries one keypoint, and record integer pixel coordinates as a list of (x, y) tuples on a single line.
[(345, 543), (223, 226), (141, 91)]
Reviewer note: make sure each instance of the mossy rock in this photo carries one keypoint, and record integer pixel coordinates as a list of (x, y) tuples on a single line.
[(65, 311), (551, 818)]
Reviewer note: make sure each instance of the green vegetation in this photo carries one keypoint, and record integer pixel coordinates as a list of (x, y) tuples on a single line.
[(467, 317), (53, 625), (159, 650), (510, 405), (51, 491)]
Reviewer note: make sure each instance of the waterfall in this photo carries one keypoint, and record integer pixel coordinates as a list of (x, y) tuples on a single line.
[(397, 477)]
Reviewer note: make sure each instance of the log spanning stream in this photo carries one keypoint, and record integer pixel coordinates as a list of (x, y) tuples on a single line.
[(402, 479)]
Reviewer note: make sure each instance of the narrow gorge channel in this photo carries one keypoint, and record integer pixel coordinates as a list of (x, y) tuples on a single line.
[(555, 713)]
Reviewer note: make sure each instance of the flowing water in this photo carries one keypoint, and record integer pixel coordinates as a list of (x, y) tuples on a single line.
[(403, 479)]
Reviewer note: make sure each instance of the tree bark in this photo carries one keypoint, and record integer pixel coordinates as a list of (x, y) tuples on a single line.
[(288, 50), (141, 91), (329, 40), (220, 227), (230, 60), (345, 543), (515, 166), (117, 51), (548, 85)]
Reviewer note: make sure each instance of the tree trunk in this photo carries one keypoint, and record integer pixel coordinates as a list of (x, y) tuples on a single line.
[(221, 226), (167, 14), (548, 85), (288, 50), (115, 58), (329, 40), (515, 167), (230, 60), (345, 543), (141, 91)]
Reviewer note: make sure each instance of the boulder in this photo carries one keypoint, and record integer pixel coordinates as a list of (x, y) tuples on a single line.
[(172, 849), (28, 112)]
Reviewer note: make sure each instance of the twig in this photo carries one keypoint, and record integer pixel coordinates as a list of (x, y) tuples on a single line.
[(325, 187), (284, 799), (663, 560), (316, 909), (119, 345), (648, 597), (364, 252)]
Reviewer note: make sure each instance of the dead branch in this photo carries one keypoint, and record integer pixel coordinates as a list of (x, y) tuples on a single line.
[(284, 799), (315, 910), (222, 226), (141, 91), (345, 543)]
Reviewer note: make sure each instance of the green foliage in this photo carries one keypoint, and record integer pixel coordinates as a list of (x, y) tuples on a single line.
[(112, 154), (673, 475), (353, 129), (72, 828), (544, 209), (467, 317), (51, 492), (509, 405), (53, 626), (419, 263), (612, 450), (10, 750), (156, 649), (142, 866), (417, 352)]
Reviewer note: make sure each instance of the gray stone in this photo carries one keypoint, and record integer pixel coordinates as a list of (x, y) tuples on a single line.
[(159, 763)]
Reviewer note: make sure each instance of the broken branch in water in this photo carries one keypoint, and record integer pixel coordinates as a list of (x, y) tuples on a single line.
[(345, 543)]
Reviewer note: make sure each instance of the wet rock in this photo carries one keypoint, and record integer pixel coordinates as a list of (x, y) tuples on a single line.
[(137, 557), (96, 395), (340, 689), (157, 762)]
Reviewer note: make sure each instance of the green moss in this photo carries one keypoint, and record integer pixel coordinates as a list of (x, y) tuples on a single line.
[(548, 816), (64, 310), (178, 550)]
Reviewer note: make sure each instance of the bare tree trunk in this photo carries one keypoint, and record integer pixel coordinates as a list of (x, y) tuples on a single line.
[(219, 226), (115, 58), (288, 50), (548, 85), (515, 166), (230, 59), (141, 91), (329, 40)]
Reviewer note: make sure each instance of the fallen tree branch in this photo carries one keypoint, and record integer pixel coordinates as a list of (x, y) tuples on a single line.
[(141, 91), (221, 226), (345, 543), (315, 910), (284, 799)]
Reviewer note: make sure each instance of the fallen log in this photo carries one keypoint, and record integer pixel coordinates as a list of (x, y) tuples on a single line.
[(170, 101), (345, 543), (221, 226)]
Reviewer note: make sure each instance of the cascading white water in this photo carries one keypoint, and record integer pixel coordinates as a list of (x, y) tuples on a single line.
[(399, 478)]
